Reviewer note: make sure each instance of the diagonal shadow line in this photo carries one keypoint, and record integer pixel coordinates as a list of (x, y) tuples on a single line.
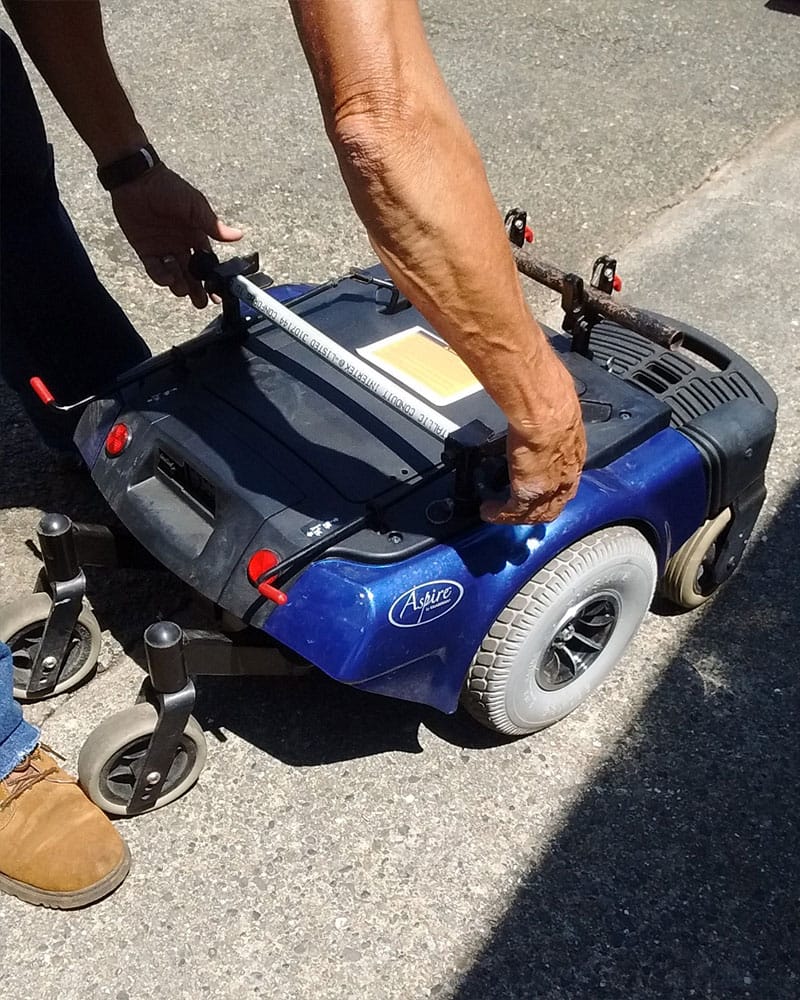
[(677, 873)]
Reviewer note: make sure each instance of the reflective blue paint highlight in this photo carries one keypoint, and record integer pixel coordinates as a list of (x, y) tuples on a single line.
[(338, 611), (283, 293)]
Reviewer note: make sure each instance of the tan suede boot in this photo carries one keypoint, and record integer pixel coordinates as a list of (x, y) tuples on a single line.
[(56, 847)]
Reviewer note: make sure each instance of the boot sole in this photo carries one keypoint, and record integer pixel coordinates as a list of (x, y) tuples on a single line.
[(68, 900)]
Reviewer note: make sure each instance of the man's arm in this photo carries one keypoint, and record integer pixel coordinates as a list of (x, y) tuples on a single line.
[(417, 181), (160, 213)]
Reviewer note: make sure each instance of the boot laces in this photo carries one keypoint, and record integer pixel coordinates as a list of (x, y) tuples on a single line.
[(23, 784)]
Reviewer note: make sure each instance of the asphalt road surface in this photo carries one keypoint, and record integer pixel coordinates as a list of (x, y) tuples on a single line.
[(346, 846)]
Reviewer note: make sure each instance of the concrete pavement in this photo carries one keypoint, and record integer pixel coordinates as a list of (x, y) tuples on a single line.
[(344, 846)]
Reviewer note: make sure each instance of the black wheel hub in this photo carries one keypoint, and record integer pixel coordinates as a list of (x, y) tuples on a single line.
[(24, 646), (121, 772), (581, 637)]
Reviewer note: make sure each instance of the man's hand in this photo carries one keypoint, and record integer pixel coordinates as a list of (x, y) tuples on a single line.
[(545, 457), (164, 218)]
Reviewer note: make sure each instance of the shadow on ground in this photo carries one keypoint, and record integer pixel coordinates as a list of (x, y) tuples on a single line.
[(676, 875), (784, 6), (314, 720)]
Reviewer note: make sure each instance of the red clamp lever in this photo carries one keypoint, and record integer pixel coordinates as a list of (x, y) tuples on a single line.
[(617, 283), (272, 593), (261, 561), (528, 234)]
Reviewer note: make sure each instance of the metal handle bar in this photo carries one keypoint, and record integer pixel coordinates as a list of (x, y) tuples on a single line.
[(349, 364), (643, 323)]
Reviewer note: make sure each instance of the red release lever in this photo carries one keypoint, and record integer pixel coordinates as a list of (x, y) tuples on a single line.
[(272, 593), (42, 391), (617, 283), (528, 234), (260, 562)]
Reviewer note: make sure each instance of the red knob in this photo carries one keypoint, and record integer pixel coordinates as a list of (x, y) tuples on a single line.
[(41, 391), (617, 283), (528, 234)]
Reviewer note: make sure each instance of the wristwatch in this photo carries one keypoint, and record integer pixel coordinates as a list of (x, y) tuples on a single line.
[(127, 169)]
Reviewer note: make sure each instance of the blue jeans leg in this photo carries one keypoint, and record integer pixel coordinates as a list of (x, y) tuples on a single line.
[(57, 321), (17, 737)]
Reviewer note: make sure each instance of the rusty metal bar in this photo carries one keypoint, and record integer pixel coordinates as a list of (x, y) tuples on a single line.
[(640, 322)]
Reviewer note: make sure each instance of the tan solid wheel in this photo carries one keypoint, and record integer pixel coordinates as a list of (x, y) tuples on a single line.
[(113, 755), (687, 582)]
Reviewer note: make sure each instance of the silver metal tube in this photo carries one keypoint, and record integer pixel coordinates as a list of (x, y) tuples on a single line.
[(349, 364)]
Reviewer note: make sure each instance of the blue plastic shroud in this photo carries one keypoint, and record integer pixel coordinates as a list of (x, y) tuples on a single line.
[(409, 630)]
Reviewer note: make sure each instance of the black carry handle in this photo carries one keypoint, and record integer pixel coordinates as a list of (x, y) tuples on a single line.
[(206, 267)]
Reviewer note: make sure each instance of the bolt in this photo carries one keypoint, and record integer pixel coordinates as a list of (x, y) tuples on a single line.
[(440, 511), (395, 537), (624, 415), (153, 777), (49, 663)]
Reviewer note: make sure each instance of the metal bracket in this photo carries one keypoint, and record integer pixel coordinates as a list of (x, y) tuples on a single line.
[(397, 303), (579, 317), (51, 657), (216, 278), (115, 548), (467, 451), (174, 709), (604, 271)]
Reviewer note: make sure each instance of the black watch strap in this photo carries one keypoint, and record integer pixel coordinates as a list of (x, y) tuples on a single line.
[(112, 175)]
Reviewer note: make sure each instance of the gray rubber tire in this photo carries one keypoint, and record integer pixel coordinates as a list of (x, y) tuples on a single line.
[(25, 618), (683, 581), (128, 732), (505, 687)]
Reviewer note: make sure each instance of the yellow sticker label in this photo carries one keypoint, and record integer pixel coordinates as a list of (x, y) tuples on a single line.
[(423, 362)]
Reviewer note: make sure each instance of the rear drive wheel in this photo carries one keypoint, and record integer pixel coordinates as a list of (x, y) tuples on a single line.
[(558, 639)]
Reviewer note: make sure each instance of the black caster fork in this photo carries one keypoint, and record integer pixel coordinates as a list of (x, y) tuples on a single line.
[(150, 754), (53, 635)]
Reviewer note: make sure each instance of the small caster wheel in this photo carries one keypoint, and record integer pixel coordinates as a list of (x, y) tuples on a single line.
[(111, 759), (22, 627), (687, 581)]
